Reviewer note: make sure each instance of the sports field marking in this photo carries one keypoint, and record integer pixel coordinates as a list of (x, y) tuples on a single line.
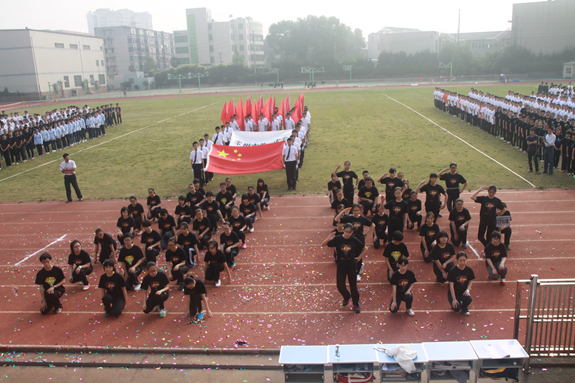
[(460, 139), (105, 142), (42, 249), (477, 254)]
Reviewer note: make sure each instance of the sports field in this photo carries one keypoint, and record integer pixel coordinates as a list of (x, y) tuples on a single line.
[(374, 129)]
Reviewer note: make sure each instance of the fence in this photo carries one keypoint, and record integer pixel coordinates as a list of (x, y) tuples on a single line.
[(549, 318)]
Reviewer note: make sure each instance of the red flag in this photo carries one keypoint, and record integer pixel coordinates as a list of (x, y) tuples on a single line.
[(245, 159), (267, 109), (287, 107), (281, 113), (231, 109), (302, 103), (248, 107), (240, 115), (224, 116)]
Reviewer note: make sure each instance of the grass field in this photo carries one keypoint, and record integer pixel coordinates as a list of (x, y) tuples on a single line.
[(151, 148)]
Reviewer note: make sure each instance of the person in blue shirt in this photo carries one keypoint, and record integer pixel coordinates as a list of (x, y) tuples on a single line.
[(38, 141)]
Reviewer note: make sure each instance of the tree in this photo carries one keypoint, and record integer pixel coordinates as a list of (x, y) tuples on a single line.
[(238, 59), (174, 62), (126, 85), (152, 85), (150, 64), (145, 83), (136, 87)]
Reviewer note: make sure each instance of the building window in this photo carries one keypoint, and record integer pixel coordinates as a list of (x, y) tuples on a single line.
[(210, 37), (212, 60), (102, 62), (101, 79), (241, 48), (211, 48), (568, 71), (209, 26), (66, 82), (183, 61), (101, 47), (86, 47), (59, 45), (241, 36), (240, 26), (73, 46), (91, 79), (78, 81), (97, 62), (180, 50), (181, 39)]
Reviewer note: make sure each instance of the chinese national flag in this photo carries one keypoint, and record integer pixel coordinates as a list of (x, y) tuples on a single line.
[(224, 116), (240, 115), (245, 159)]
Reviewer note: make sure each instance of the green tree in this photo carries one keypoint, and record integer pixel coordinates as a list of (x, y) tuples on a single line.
[(145, 83), (126, 85), (238, 59), (174, 62), (461, 58), (150, 64)]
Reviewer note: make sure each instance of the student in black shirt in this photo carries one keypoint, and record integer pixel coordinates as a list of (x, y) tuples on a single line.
[(339, 200), (406, 194), (125, 224), (137, 212), (232, 189), (402, 282), (167, 227), (452, 181), (428, 233), (391, 183), (495, 257), (150, 241), (459, 218), (349, 251), (105, 246), (238, 225), (179, 262), (230, 244), (248, 210), (333, 186), (263, 192), (255, 199), (433, 193), (225, 200), (51, 280), (460, 280), (203, 229), (443, 255), (183, 211), (198, 187), (393, 251), (491, 207), (212, 209), (114, 295), (130, 259), (361, 183), (347, 177), (158, 286), (380, 221), (196, 291), (368, 196), (506, 230), (80, 265), (194, 197), (189, 243), (397, 214), (413, 211), (216, 262), (154, 207), (358, 221)]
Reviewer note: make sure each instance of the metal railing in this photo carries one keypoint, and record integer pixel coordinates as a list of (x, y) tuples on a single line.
[(549, 317)]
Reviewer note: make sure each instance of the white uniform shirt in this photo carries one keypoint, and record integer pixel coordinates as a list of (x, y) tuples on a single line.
[(196, 156), (262, 124), (68, 166), (218, 138), (289, 153)]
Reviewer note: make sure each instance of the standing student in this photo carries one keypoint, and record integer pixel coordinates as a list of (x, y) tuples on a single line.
[(347, 176), (230, 243), (183, 211), (125, 224), (506, 230), (349, 251), (205, 146), (380, 221), (358, 222), (495, 257), (114, 295), (249, 211), (179, 262), (189, 243), (68, 168), (153, 203), (130, 259), (136, 210), (225, 199), (459, 219), (402, 282), (452, 181), (443, 255), (397, 214), (549, 154), (413, 211), (368, 196), (105, 246), (264, 193), (532, 145), (51, 280), (433, 193), (491, 207), (151, 241), (216, 262), (428, 234), (119, 113), (391, 182), (203, 229), (80, 265), (290, 158), (212, 209), (460, 280), (196, 291), (156, 288), (196, 158), (393, 251), (333, 186), (167, 227)]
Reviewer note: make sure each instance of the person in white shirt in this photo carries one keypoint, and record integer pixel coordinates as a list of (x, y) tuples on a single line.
[(289, 123), (263, 123), (196, 157), (549, 151), (68, 168), (290, 158), (233, 124), (218, 137), (206, 152), (227, 133)]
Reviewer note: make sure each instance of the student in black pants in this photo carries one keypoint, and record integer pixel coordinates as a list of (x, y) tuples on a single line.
[(380, 220), (291, 158), (459, 218), (51, 280), (491, 207), (460, 280), (105, 246), (495, 257), (196, 291), (156, 288), (216, 262), (428, 234), (358, 221), (433, 193), (80, 265), (506, 230), (130, 259), (179, 262), (452, 181), (347, 177), (414, 211), (114, 295), (443, 255), (402, 283), (397, 214)]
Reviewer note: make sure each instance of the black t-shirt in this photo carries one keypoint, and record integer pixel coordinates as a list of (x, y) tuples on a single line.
[(337, 232), (346, 249), (211, 207), (371, 193), (113, 284), (452, 181), (442, 255), (195, 198), (333, 186), (413, 206), (136, 211), (228, 240), (429, 232), (489, 207), (224, 198), (80, 259), (495, 253), (184, 210), (348, 178), (358, 224), (380, 222), (158, 282), (151, 238), (393, 252), (106, 241), (187, 241), (201, 225), (459, 217), (176, 256), (403, 281), (261, 190), (254, 198), (154, 201), (125, 224), (218, 257), (232, 189), (166, 224), (460, 278), (396, 211), (390, 185), (247, 209), (199, 288), (337, 202), (49, 278), (406, 194), (237, 223), (130, 256), (433, 193), (532, 143)]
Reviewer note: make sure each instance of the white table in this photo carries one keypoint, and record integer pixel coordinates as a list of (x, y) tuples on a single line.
[(452, 352)]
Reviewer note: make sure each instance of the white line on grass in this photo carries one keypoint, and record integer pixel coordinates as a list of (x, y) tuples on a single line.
[(42, 249), (105, 142), (460, 139)]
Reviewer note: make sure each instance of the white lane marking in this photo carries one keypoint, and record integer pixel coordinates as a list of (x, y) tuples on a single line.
[(42, 249), (471, 247)]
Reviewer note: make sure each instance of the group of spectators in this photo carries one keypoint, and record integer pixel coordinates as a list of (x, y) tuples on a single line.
[(26, 136)]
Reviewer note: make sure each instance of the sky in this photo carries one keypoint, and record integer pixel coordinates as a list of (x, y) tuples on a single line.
[(369, 16)]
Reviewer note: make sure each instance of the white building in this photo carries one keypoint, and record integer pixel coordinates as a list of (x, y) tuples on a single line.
[(105, 17), (569, 69), (32, 59)]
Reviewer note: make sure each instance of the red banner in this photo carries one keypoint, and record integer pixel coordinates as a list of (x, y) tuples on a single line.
[(245, 159), (240, 115), (224, 116)]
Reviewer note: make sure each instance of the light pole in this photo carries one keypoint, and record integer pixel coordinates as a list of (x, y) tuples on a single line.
[(198, 76), (179, 78), (311, 71), (348, 67), (447, 66), (277, 72)]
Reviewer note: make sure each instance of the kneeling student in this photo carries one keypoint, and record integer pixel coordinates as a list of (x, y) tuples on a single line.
[(402, 282), (216, 262), (443, 255), (179, 262), (196, 291), (460, 280), (51, 280), (80, 265), (495, 257), (159, 290), (114, 295), (130, 258)]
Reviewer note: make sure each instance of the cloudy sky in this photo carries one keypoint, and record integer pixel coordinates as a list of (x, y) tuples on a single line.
[(369, 16)]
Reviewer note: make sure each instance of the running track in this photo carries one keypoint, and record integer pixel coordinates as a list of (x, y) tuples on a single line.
[(283, 288)]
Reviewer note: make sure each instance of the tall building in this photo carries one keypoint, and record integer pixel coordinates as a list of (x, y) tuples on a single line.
[(105, 17), (61, 63), (127, 49), (212, 42)]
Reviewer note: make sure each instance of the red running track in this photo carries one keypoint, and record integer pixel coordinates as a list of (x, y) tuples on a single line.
[(283, 287)]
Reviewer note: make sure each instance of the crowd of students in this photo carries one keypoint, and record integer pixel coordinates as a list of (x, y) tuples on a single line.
[(541, 125), (385, 216), (23, 137), (182, 238)]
